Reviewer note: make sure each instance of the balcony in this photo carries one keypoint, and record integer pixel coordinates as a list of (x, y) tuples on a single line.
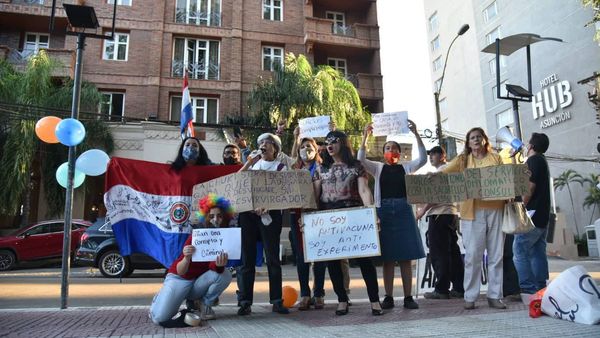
[(370, 86), (35, 7), (198, 17), (65, 59), (197, 71), (323, 31)]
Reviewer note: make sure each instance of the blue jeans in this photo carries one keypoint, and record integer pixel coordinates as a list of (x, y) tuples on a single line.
[(176, 289), (529, 255)]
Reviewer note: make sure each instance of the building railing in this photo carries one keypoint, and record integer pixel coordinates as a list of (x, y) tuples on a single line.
[(198, 71), (28, 2), (364, 35), (197, 17)]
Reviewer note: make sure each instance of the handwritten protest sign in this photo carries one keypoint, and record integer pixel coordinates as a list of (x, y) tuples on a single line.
[(488, 183), (211, 242), (248, 190), (341, 233), (390, 123), (314, 126)]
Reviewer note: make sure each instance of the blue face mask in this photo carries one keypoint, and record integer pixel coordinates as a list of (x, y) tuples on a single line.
[(189, 153)]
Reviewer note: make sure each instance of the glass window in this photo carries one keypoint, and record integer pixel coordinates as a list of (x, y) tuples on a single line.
[(198, 12), (121, 2), (58, 227), (38, 230), (338, 64), (443, 106), (437, 64), (433, 22), (201, 58), (490, 12), (435, 43), (204, 109), (34, 42), (339, 22), (273, 10), (116, 49), (503, 91), (272, 56), (437, 84), (493, 35), (492, 64), (504, 118), (112, 105)]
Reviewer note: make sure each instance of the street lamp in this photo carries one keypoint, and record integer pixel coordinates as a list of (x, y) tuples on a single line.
[(438, 118)]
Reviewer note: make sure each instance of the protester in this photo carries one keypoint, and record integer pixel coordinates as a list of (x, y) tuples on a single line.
[(341, 182), (240, 141), (481, 224), (443, 240), (307, 159), (191, 152), (202, 281), (400, 237), (232, 155), (530, 248), (267, 225)]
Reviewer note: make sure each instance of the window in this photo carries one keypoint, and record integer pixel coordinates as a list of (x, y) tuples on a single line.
[(59, 227), (339, 23), (435, 43), (204, 109), (437, 64), (504, 118), (433, 22), (200, 57), (338, 64), (112, 105), (121, 2), (34, 42), (493, 35), (503, 91), (38, 230), (490, 12), (436, 85), (116, 49), (272, 56), (443, 106), (492, 64), (273, 10), (198, 12)]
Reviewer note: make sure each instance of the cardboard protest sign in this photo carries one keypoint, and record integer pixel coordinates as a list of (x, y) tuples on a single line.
[(395, 123), (211, 242), (497, 182), (272, 190), (314, 126), (340, 233)]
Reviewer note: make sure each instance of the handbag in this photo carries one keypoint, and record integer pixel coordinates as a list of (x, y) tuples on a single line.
[(516, 220)]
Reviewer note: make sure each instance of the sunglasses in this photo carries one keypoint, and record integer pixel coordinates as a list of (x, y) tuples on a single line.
[(332, 140)]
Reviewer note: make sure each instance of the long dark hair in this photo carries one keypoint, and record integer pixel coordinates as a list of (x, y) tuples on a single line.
[(346, 152), (180, 162)]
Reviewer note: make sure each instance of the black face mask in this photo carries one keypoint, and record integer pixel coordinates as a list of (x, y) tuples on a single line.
[(230, 160)]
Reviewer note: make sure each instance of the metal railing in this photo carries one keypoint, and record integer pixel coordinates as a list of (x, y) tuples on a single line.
[(28, 2), (342, 30), (197, 71), (197, 17)]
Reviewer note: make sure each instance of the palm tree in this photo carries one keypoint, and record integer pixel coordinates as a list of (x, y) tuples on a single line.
[(593, 197), (24, 98), (564, 180)]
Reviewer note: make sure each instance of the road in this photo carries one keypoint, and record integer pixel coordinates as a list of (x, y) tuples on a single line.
[(38, 286)]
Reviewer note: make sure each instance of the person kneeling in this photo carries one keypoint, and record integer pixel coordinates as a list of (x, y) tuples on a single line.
[(196, 282)]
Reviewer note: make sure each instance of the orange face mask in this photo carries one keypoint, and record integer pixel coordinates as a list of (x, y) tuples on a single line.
[(391, 158)]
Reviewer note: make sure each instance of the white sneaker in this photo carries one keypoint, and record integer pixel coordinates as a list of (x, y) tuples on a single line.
[(206, 312), (526, 298)]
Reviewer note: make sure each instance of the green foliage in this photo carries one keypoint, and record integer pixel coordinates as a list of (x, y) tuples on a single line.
[(595, 4), (592, 200), (564, 180)]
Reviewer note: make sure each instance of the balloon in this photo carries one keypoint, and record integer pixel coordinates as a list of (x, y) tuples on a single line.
[(92, 162), (70, 132), (62, 175), (290, 296), (45, 128)]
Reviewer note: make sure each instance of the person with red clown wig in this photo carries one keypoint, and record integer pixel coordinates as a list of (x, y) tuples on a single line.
[(201, 282)]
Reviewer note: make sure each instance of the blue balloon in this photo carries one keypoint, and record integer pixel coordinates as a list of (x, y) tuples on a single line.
[(92, 162), (70, 132), (62, 174)]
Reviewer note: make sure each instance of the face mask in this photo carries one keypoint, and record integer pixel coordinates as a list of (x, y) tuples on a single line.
[(391, 158), (306, 154), (189, 153), (214, 223), (229, 160)]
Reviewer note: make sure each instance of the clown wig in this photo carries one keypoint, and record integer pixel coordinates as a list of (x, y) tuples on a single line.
[(213, 201)]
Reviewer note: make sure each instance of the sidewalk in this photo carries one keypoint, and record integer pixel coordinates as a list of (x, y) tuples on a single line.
[(435, 318)]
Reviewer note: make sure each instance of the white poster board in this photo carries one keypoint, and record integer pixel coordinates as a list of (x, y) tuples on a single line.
[(314, 126), (395, 123), (340, 233), (210, 242)]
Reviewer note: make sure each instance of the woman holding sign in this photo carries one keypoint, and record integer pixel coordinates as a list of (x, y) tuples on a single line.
[(400, 237), (185, 279), (341, 182), (481, 224)]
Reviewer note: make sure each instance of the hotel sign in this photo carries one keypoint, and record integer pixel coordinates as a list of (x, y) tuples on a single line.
[(549, 103)]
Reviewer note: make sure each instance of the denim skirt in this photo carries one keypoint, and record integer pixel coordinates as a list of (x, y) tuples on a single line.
[(399, 236)]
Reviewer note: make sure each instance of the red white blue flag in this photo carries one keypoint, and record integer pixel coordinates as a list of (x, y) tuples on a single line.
[(186, 122), (149, 205)]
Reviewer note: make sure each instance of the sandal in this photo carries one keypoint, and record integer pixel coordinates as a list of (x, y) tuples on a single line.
[(304, 304)]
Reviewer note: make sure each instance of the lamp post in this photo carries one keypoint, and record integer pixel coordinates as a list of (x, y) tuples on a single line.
[(436, 95)]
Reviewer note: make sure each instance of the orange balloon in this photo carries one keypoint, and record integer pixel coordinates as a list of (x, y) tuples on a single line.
[(290, 296), (45, 127)]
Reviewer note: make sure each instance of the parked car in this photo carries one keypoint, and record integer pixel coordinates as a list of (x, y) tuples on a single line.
[(98, 248), (38, 241)]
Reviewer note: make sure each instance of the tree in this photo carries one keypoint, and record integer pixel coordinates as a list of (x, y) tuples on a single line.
[(298, 90), (564, 180), (595, 4), (593, 197), (26, 97)]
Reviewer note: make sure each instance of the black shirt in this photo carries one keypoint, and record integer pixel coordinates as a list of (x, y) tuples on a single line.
[(540, 201), (392, 181)]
